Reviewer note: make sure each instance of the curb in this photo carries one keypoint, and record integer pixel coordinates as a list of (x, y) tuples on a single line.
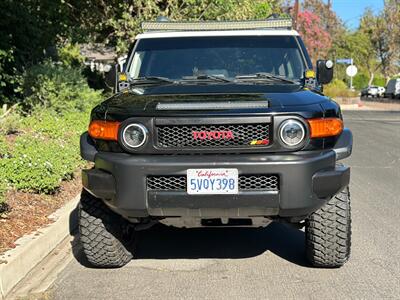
[(34, 247)]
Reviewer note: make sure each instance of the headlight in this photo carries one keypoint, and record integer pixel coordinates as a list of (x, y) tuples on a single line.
[(134, 135), (292, 133)]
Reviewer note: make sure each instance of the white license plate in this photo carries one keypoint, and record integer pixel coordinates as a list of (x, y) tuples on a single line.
[(212, 181)]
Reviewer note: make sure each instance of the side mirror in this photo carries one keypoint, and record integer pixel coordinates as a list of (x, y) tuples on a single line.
[(324, 71)]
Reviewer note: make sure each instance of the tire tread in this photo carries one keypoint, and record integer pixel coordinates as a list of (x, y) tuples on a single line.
[(328, 232), (100, 234)]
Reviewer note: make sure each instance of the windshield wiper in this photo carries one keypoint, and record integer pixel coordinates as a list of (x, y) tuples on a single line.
[(264, 75), (206, 77), (150, 80)]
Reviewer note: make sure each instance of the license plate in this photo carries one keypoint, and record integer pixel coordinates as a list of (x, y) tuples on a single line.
[(212, 181)]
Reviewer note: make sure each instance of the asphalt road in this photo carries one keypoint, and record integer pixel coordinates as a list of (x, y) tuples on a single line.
[(269, 263)]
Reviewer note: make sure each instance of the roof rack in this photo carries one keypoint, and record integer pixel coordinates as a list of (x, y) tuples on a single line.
[(166, 25)]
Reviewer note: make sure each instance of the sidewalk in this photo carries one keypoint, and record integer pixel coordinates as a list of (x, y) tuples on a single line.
[(357, 104)]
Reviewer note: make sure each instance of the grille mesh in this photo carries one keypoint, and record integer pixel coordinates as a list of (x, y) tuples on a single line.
[(246, 183), (181, 136)]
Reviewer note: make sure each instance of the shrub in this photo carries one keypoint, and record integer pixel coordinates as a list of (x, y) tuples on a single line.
[(60, 88), (46, 149), (55, 126), (70, 55), (379, 81), (337, 88), (3, 147), (3, 190), (38, 164), (10, 124), (360, 81)]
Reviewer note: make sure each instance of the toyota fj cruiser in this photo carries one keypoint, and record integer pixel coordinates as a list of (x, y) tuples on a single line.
[(217, 124)]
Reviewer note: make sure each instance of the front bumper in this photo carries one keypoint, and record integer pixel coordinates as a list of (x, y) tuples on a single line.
[(307, 181)]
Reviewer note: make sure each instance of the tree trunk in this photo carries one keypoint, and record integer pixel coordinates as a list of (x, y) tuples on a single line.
[(371, 78)]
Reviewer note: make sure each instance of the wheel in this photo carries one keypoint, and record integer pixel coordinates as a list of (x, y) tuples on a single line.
[(328, 232), (103, 234)]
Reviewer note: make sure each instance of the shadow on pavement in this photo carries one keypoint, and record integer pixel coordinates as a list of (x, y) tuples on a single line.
[(162, 242)]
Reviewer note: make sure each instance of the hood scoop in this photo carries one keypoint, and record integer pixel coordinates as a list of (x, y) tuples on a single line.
[(209, 105)]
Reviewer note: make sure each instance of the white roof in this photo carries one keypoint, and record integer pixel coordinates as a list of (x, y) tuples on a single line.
[(169, 34)]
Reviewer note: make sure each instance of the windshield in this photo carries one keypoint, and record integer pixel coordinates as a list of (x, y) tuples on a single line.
[(225, 57)]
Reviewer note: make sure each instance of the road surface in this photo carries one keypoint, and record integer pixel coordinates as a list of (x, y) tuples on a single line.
[(269, 263)]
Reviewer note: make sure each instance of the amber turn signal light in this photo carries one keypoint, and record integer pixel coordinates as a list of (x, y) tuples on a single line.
[(104, 130), (325, 127)]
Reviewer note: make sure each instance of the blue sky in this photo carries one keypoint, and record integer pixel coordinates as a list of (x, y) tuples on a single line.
[(351, 10)]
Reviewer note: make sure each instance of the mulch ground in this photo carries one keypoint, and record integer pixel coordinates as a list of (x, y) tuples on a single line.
[(29, 212)]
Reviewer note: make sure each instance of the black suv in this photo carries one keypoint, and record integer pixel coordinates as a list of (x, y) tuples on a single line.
[(217, 124)]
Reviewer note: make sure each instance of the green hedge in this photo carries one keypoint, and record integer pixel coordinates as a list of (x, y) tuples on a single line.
[(58, 87)]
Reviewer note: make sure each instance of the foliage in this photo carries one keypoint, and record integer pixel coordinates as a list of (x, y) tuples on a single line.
[(3, 183), (379, 81), (360, 81), (329, 22), (70, 55), (316, 39), (57, 87), (3, 147), (32, 29), (118, 22), (10, 124), (384, 33), (337, 88), (3, 190), (46, 152), (38, 164)]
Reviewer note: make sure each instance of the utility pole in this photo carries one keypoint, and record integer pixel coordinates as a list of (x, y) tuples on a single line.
[(295, 13)]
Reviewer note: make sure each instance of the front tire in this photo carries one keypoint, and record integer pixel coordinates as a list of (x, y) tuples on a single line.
[(328, 233), (102, 234)]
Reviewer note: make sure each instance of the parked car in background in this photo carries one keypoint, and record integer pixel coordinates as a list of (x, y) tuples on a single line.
[(381, 91), (373, 91), (393, 88)]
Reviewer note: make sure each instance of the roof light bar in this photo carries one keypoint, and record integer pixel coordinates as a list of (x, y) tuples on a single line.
[(217, 25), (212, 105)]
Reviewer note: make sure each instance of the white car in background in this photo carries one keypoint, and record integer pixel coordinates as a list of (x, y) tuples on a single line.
[(372, 91), (381, 91)]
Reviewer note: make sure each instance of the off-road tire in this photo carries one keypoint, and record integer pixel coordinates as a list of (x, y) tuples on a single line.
[(101, 234), (328, 233)]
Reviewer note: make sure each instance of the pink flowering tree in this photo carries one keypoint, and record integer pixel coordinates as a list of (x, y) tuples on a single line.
[(317, 39)]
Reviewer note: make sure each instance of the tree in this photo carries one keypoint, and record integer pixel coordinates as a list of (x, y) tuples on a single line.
[(383, 31), (330, 22), (31, 30), (317, 40)]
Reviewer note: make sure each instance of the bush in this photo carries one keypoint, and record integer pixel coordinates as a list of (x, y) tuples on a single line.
[(38, 164), (46, 149), (337, 88), (70, 55), (60, 88), (3, 190), (10, 124), (3, 183), (360, 81), (3, 147), (52, 125), (379, 81)]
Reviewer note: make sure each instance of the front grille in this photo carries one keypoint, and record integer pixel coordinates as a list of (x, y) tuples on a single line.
[(246, 183), (181, 136)]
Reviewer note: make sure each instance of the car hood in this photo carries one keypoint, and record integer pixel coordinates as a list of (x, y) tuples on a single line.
[(142, 101)]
